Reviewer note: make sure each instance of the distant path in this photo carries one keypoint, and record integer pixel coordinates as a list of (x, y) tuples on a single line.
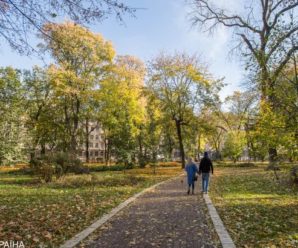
[(164, 217)]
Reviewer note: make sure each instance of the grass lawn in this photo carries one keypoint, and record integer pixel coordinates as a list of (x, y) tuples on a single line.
[(49, 214), (256, 209)]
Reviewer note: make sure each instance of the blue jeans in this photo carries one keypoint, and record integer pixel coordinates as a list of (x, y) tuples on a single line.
[(205, 181)]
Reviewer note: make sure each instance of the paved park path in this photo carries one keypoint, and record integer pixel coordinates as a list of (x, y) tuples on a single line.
[(163, 217)]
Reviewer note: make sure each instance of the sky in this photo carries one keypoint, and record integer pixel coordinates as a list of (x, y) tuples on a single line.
[(159, 26)]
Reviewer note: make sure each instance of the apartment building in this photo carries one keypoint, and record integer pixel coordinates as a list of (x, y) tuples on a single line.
[(96, 145)]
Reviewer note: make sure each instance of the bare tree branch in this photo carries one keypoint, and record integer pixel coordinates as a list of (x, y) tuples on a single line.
[(19, 19), (284, 61)]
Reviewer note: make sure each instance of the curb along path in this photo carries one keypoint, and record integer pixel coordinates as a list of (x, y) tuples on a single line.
[(163, 217), (222, 232)]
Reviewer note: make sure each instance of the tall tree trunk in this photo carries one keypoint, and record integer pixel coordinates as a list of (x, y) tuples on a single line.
[(105, 151), (272, 154), (169, 147), (181, 147), (75, 125), (141, 155), (43, 149), (87, 141)]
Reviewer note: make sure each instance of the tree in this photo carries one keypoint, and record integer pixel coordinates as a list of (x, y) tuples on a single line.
[(21, 18), (122, 107), (83, 60), (43, 115), (268, 29), (286, 96), (150, 135), (12, 131), (234, 145), (182, 86), (213, 127)]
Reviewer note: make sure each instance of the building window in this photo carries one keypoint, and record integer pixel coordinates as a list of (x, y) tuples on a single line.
[(91, 145), (91, 153), (96, 137), (91, 137), (96, 145), (96, 153)]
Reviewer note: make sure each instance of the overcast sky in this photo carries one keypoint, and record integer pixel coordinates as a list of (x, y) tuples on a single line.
[(162, 25)]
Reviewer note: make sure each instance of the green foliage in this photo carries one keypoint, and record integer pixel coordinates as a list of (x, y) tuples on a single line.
[(57, 164), (44, 168), (107, 168), (43, 117), (181, 85), (234, 145), (122, 107), (83, 61), (12, 131)]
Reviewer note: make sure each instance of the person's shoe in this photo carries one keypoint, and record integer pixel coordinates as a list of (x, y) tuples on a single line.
[(188, 192)]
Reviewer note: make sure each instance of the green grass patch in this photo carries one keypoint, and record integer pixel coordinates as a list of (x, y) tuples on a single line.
[(257, 210), (48, 214)]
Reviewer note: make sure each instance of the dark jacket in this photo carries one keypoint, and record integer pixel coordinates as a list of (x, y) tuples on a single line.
[(205, 165)]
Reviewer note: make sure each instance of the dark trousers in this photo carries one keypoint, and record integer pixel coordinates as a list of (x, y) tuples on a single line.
[(192, 185)]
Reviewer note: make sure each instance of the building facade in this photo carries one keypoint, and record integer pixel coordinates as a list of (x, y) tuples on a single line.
[(96, 145)]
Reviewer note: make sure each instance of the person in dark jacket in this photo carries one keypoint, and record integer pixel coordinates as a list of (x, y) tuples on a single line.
[(205, 168)]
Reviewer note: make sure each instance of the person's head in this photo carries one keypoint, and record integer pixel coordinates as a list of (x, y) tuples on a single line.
[(189, 160), (205, 154)]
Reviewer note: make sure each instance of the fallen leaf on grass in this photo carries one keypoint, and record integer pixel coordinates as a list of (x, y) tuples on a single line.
[(47, 235), (35, 239)]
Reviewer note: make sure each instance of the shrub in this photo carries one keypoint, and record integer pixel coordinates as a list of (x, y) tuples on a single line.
[(246, 164), (43, 168), (129, 166), (67, 161), (57, 164), (169, 164), (107, 168)]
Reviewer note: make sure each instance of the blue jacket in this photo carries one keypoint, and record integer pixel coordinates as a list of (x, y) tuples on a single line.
[(191, 170)]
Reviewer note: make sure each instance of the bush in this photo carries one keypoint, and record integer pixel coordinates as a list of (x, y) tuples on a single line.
[(231, 164), (57, 164), (107, 168), (67, 161), (43, 168), (129, 166), (246, 164), (169, 164)]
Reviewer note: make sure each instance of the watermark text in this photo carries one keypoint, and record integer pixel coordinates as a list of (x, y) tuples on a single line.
[(12, 244)]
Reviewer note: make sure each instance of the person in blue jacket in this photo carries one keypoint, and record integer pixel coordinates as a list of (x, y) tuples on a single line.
[(191, 170)]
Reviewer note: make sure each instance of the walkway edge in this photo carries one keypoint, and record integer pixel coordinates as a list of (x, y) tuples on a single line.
[(83, 234), (222, 232)]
